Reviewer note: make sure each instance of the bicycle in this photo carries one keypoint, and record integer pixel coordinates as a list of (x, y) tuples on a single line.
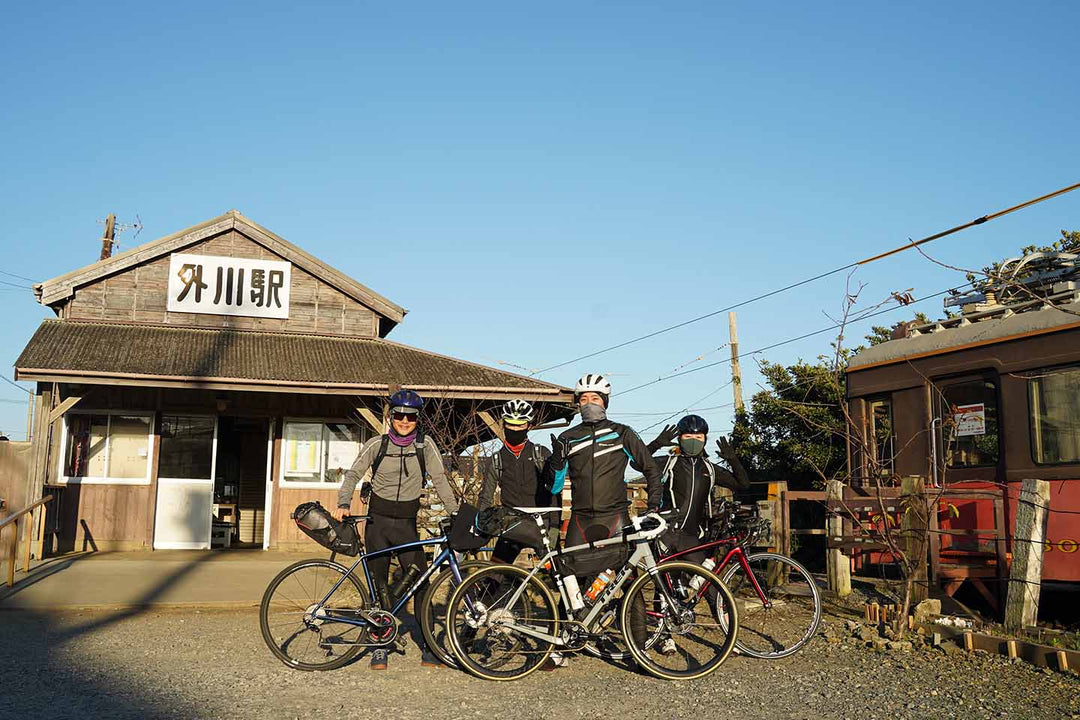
[(317, 614), (503, 621), (779, 602)]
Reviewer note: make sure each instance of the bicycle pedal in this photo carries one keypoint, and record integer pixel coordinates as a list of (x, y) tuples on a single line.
[(402, 641)]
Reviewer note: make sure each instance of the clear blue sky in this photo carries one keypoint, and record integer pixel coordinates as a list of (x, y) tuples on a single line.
[(536, 182)]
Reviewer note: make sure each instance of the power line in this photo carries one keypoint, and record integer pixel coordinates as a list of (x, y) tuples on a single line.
[(689, 405), (15, 285), (20, 277), (14, 384), (786, 342), (910, 244)]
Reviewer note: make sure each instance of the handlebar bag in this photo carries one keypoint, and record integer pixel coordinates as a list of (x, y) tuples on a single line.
[(317, 523), (464, 535)]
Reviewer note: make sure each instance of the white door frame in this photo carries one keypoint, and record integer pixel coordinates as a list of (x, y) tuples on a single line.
[(268, 505), (209, 483)]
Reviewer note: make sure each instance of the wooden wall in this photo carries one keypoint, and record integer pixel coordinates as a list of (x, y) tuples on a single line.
[(105, 517), (140, 295)]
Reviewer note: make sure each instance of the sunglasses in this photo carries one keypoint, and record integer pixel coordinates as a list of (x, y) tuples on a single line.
[(400, 416)]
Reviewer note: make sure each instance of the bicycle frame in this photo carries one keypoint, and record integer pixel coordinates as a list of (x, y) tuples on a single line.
[(446, 556), (736, 552)]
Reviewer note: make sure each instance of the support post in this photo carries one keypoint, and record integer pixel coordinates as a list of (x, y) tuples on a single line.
[(736, 373), (493, 426), (1025, 576), (838, 567), (914, 526)]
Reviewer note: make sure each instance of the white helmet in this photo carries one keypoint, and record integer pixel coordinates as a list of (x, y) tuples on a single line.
[(593, 383), (517, 412)]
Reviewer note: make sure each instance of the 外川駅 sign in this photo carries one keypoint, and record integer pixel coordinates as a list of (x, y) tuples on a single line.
[(214, 285), (970, 419)]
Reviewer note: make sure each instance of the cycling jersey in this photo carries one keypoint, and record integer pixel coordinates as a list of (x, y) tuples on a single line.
[(596, 458), (521, 480), (397, 478)]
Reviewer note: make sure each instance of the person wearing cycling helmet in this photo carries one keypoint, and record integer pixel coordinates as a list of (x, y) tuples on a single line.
[(689, 476), (593, 456), (398, 462), (519, 469)]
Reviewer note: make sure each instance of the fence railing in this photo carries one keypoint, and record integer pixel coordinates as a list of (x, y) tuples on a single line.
[(23, 519)]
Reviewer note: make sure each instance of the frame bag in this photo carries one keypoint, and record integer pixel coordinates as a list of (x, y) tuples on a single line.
[(317, 523)]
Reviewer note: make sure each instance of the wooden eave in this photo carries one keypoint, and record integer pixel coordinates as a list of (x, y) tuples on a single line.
[(63, 287)]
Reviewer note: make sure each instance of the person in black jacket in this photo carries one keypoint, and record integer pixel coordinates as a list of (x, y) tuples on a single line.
[(519, 469), (593, 455), (688, 477)]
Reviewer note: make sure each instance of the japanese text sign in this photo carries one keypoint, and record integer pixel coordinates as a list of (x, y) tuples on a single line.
[(229, 286), (970, 419)]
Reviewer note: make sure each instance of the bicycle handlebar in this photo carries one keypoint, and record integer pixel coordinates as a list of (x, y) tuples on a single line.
[(644, 533)]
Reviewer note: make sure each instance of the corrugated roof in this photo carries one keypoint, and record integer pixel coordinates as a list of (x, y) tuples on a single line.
[(181, 354)]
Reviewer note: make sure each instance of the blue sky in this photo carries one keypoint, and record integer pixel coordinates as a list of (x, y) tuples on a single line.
[(534, 183)]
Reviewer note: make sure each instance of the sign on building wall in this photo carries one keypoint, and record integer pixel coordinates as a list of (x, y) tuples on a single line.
[(229, 286), (970, 419)]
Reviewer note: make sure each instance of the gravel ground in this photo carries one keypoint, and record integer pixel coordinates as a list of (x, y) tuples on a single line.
[(213, 664)]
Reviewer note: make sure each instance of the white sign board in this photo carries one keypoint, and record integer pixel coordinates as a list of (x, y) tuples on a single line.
[(229, 286), (970, 419)]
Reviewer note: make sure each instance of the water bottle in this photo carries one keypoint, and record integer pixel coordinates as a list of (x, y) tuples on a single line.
[(402, 585), (573, 591), (698, 581), (599, 584)]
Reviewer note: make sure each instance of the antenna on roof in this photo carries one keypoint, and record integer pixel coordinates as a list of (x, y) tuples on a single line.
[(108, 238)]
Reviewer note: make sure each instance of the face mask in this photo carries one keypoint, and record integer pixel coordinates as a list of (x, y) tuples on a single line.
[(515, 437), (691, 446), (593, 412)]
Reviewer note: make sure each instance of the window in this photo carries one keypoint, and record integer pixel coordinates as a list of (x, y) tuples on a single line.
[(187, 447), (1054, 401), (319, 452), (969, 423), (108, 447), (881, 432)]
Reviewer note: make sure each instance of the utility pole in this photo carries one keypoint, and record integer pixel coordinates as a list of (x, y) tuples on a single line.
[(736, 373), (109, 237)]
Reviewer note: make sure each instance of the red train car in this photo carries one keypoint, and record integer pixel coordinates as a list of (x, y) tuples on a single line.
[(981, 402)]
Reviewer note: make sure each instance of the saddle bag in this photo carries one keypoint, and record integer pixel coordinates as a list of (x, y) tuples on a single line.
[(317, 523), (512, 525), (464, 535)]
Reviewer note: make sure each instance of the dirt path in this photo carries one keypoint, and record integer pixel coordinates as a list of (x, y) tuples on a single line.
[(188, 664)]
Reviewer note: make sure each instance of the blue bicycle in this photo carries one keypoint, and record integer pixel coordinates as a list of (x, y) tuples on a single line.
[(319, 614)]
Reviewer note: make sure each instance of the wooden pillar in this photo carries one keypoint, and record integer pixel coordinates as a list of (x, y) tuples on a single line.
[(39, 458), (914, 526), (837, 564), (1025, 576)]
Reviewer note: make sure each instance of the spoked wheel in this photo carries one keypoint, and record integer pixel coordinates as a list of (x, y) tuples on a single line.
[(781, 618), (432, 610), (481, 617), (298, 619), (670, 624)]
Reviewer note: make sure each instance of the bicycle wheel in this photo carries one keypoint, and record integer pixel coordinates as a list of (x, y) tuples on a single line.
[(783, 618), (671, 629), (299, 628), (432, 610), (479, 612)]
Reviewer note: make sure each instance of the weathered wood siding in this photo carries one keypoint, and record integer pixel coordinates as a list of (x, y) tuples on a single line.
[(105, 517), (140, 295)]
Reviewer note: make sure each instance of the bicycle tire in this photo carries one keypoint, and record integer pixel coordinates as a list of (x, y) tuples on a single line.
[(431, 614), (793, 619), (302, 594), (701, 652), (476, 602)]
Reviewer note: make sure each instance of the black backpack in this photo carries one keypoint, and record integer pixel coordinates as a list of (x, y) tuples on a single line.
[(537, 458), (317, 523), (418, 444)]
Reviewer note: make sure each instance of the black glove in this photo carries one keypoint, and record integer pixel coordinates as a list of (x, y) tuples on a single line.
[(726, 451), (666, 437), (559, 451)]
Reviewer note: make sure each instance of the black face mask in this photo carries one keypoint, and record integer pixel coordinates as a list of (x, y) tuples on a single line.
[(516, 437)]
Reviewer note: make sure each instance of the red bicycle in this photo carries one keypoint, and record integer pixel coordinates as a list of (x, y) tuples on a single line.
[(779, 602)]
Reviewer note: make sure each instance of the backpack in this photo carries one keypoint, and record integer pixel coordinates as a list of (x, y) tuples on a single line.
[(317, 523), (418, 443), (537, 458)]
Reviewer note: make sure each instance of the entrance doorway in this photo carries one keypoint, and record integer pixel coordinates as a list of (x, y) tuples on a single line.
[(240, 481)]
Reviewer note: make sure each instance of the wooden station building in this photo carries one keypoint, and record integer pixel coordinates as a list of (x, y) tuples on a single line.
[(220, 376)]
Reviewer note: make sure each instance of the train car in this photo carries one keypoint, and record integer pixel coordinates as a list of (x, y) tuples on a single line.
[(980, 401)]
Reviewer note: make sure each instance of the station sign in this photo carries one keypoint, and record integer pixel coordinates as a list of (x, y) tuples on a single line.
[(213, 285), (970, 419)]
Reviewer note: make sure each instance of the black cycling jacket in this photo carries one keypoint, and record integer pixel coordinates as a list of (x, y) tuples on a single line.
[(597, 455), (688, 486), (522, 483)]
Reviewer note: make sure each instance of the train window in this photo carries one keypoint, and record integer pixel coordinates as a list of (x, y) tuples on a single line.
[(969, 423), (881, 430), (1054, 400)]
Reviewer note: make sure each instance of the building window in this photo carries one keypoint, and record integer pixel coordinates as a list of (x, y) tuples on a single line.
[(969, 423), (318, 451), (1054, 400), (108, 448), (187, 447), (881, 435)]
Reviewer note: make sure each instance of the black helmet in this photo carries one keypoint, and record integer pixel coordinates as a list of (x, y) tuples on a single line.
[(692, 424)]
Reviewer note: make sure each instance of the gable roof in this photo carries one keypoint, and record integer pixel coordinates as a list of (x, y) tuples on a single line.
[(60, 288)]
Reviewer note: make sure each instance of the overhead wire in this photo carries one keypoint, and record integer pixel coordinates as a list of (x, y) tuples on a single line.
[(15, 285), (15, 275), (865, 261), (14, 384)]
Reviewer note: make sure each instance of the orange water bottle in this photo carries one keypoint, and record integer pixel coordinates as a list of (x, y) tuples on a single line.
[(599, 584)]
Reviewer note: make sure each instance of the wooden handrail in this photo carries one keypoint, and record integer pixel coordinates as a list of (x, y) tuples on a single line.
[(15, 515), (13, 520)]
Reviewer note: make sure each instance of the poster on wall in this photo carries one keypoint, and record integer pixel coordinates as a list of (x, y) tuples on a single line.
[(303, 446), (969, 419), (212, 285)]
